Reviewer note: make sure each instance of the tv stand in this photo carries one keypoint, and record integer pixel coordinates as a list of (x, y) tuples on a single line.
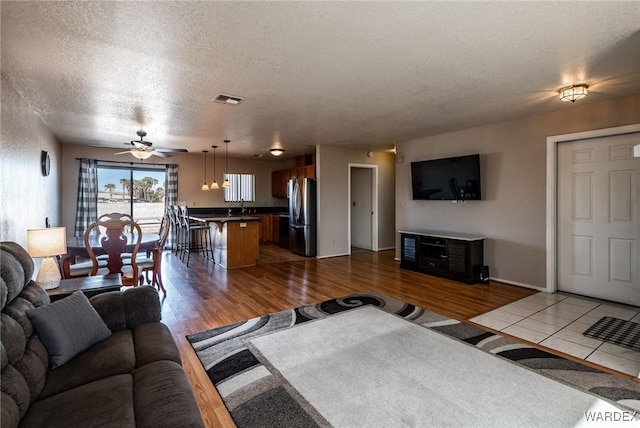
[(451, 255)]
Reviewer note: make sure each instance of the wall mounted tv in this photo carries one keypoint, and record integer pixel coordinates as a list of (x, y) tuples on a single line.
[(448, 179)]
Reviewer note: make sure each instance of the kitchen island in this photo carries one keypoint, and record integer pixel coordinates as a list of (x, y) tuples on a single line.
[(235, 239)]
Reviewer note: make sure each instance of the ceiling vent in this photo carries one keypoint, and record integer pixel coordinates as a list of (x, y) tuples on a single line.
[(227, 99)]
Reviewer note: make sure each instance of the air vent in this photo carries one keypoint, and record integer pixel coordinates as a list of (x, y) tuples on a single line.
[(227, 99)]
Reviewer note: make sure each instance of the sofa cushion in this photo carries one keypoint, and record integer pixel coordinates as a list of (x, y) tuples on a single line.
[(163, 398), (68, 327), (114, 355), (153, 342), (105, 403)]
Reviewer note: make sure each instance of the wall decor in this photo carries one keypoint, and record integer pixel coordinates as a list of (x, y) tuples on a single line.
[(45, 163)]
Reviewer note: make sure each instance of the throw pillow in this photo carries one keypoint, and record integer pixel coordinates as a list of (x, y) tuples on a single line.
[(68, 327)]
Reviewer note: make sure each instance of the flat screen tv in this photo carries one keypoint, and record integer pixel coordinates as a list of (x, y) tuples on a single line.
[(449, 179)]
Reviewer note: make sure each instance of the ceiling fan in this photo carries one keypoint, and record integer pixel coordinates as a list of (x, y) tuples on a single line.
[(144, 149)]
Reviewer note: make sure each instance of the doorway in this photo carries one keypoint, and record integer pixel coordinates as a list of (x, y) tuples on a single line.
[(593, 240), (363, 216)]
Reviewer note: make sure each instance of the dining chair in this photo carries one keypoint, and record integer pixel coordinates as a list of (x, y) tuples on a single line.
[(114, 243), (153, 263), (68, 266)]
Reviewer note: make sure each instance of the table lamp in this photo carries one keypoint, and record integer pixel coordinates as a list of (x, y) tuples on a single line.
[(45, 243)]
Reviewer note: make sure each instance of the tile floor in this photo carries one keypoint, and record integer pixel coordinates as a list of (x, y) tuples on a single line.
[(558, 320)]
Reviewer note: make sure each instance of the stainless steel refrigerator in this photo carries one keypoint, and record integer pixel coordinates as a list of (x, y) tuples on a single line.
[(302, 216)]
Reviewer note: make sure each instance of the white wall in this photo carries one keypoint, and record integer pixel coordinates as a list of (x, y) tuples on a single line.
[(26, 197), (332, 169), (513, 170)]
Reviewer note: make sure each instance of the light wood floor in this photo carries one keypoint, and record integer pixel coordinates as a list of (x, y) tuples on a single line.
[(204, 296)]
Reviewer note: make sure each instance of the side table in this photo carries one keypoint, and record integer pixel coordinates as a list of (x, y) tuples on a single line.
[(89, 285)]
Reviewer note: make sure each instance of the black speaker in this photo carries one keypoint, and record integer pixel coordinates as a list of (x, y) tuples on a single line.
[(484, 274)]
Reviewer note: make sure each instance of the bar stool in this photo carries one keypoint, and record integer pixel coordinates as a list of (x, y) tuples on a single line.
[(197, 236), (173, 211)]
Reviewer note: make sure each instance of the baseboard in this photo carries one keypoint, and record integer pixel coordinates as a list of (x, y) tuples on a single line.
[(386, 248), (519, 284), (333, 255)]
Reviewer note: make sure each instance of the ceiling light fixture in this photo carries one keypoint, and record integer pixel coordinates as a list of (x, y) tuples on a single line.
[(214, 183), (204, 186), (226, 169), (141, 154), (573, 92), (276, 152)]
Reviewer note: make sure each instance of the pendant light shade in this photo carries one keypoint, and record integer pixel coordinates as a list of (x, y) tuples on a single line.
[(204, 186), (226, 169), (214, 183)]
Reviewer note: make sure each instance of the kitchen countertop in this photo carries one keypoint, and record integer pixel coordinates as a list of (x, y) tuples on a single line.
[(224, 219)]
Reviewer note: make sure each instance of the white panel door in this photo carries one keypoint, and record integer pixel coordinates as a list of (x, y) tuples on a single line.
[(361, 207), (598, 218)]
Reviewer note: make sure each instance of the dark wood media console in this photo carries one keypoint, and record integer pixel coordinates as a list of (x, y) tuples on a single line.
[(456, 256)]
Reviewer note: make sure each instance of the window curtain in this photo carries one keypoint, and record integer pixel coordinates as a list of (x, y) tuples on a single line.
[(87, 205), (171, 187)]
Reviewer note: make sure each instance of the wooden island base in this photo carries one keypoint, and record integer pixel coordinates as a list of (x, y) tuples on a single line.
[(235, 241)]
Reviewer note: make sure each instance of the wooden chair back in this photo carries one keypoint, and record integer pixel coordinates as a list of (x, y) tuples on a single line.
[(115, 216), (114, 241)]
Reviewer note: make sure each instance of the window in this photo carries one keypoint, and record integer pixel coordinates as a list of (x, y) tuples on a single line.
[(135, 191), (243, 188)]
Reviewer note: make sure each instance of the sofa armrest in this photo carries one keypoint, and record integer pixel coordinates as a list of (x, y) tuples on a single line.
[(128, 308)]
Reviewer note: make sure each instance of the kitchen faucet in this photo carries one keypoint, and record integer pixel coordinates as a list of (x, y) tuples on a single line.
[(242, 205)]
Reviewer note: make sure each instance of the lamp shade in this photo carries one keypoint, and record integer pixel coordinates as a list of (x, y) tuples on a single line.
[(51, 241), (48, 242)]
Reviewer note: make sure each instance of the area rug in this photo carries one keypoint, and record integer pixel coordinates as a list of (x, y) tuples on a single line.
[(370, 360), (615, 330)]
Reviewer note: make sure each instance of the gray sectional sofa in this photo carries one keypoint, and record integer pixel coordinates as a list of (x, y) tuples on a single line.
[(130, 375)]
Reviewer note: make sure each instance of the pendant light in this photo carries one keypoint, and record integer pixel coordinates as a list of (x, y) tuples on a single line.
[(226, 169), (204, 186), (214, 183)]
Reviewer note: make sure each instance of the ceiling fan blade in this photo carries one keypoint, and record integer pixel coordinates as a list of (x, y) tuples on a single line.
[(162, 155), (141, 144), (172, 150), (122, 153)]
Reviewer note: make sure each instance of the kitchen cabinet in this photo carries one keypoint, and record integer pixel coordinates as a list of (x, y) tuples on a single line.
[(266, 227), (280, 178)]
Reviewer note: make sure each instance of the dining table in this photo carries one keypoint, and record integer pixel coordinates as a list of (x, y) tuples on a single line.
[(76, 247)]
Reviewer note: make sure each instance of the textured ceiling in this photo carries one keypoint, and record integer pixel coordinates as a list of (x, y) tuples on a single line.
[(360, 74)]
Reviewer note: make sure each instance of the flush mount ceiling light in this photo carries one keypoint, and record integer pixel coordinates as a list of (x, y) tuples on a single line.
[(573, 92), (227, 99), (276, 152)]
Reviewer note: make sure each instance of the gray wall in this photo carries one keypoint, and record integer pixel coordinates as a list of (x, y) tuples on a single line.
[(332, 169), (513, 168), (26, 197), (190, 177)]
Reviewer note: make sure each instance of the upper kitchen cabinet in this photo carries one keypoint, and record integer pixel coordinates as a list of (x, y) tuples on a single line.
[(304, 169)]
